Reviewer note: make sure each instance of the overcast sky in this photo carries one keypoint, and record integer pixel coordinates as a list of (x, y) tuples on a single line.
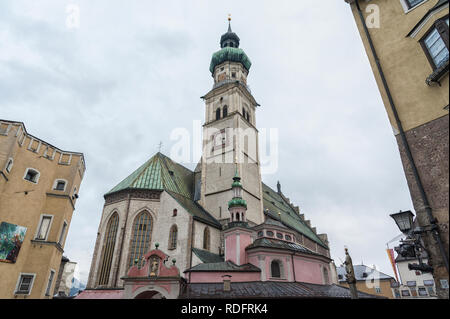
[(131, 72)]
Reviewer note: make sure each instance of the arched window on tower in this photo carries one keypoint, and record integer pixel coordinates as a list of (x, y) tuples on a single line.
[(225, 111), (275, 269), (243, 112), (109, 242), (206, 239), (218, 114), (173, 237), (141, 237), (248, 117)]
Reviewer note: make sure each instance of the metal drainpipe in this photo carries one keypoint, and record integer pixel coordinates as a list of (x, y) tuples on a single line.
[(293, 269), (123, 239), (431, 219)]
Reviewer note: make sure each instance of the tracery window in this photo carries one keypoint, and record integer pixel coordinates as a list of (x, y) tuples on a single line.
[(225, 111), (141, 237), (173, 237), (109, 243)]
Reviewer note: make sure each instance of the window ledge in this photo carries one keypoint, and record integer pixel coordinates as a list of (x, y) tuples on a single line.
[(411, 9), (437, 74)]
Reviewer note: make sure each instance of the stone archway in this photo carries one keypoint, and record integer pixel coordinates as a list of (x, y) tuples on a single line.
[(150, 294)]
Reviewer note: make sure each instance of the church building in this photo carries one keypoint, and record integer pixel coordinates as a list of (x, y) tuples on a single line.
[(169, 232)]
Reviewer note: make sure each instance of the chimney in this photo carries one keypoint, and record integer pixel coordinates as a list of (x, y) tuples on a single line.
[(226, 282)]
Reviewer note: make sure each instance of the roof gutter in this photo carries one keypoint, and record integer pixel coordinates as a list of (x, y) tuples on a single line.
[(431, 219)]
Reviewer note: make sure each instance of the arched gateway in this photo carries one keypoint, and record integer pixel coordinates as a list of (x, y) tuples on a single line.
[(154, 280)]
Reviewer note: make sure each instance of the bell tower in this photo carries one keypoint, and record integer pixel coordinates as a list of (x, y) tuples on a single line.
[(230, 137)]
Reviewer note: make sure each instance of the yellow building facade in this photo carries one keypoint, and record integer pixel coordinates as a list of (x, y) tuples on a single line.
[(39, 186), (407, 43)]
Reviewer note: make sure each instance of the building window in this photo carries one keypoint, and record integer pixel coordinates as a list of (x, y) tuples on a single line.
[(378, 290), (60, 185), (173, 237), (63, 233), (287, 237), (405, 293), (225, 111), (422, 292), (397, 293), (275, 269), (279, 236), (25, 284), (9, 165), (50, 281), (412, 3), (109, 242), (206, 239), (175, 212), (142, 235), (44, 227), (435, 43), (233, 75), (269, 233), (218, 114), (260, 233), (430, 290), (32, 175)]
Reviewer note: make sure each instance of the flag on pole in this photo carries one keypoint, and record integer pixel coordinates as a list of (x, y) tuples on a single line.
[(390, 253)]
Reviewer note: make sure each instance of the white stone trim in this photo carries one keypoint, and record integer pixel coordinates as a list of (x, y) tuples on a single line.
[(61, 156), (18, 283), (38, 175), (63, 233), (8, 128), (39, 227), (10, 160), (424, 22), (55, 183), (405, 6), (51, 283)]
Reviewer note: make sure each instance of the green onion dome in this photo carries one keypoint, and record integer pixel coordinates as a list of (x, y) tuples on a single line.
[(237, 202), (230, 54)]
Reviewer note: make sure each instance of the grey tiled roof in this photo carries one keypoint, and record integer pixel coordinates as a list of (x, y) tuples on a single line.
[(279, 244), (206, 256), (268, 289), (227, 266), (360, 270)]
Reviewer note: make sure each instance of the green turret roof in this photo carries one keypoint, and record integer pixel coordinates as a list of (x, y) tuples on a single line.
[(230, 54), (237, 202)]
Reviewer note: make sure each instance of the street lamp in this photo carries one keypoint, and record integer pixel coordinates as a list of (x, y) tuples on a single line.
[(404, 220), (412, 246)]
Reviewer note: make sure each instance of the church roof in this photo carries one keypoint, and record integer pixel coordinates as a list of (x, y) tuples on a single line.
[(276, 207), (227, 266), (362, 272), (279, 244), (268, 289), (232, 55), (207, 256), (159, 173)]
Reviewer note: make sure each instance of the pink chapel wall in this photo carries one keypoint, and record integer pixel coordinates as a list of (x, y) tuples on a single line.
[(217, 276)]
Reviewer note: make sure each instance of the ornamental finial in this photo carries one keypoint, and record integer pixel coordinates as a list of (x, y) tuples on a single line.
[(229, 16)]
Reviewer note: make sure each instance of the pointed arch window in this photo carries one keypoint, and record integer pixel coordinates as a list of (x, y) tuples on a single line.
[(225, 111), (173, 236), (141, 237), (109, 243), (218, 114), (206, 239)]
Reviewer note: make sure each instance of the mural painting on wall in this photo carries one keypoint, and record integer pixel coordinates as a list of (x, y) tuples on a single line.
[(11, 239)]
